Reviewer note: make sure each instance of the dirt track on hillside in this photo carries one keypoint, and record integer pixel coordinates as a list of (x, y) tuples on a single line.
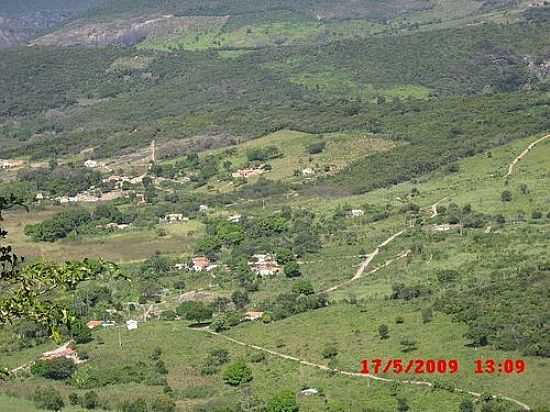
[(523, 154)]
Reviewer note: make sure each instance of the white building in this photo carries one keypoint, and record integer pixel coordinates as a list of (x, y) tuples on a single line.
[(172, 217), (357, 213), (203, 208), (131, 324), (90, 164), (234, 218)]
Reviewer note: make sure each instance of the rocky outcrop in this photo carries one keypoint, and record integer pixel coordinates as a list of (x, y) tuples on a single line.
[(127, 32)]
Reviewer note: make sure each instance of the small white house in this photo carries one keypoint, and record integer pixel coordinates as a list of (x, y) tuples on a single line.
[(357, 213), (234, 218), (203, 208), (172, 217), (90, 164), (309, 392), (131, 324)]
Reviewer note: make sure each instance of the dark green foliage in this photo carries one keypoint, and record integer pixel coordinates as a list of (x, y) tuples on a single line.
[(303, 287), (408, 344), (329, 352), (402, 405), (427, 315), (283, 402), (506, 196), (292, 269), (522, 302), (74, 399), (383, 331), (163, 404), (195, 311), (57, 369), (138, 405), (237, 373), (400, 291), (168, 315), (58, 226), (466, 406), (263, 153), (81, 333), (316, 148), (49, 399), (288, 304), (60, 181), (240, 299), (90, 400)]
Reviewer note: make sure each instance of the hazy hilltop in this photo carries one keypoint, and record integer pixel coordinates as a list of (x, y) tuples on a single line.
[(103, 22)]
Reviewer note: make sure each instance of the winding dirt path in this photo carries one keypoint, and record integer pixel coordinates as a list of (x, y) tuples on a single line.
[(523, 154), (434, 207), (348, 373), (361, 270)]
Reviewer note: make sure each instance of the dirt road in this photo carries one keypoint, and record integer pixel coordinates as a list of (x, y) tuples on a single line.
[(523, 154), (348, 373), (361, 270)]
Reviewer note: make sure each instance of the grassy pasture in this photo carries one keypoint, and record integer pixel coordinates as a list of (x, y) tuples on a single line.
[(127, 246)]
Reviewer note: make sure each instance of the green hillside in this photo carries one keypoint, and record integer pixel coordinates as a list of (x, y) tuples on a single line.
[(239, 206)]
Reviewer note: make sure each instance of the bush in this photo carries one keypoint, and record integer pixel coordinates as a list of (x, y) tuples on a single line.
[(90, 400), (49, 399), (399, 320), (303, 287), (329, 352), (506, 196), (383, 331), (168, 315), (427, 315), (57, 369), (316, 148), (237, 373), (283, 402), (163, 404), (218, 357), (536, 215), (292, 269), (74, 399), (139, 405)]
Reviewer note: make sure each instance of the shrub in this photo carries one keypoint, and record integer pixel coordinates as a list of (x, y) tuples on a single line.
[(500, 219), (427, 315), (163, 404), (506, 196), (217, 357), (329, 352), (383, 331), (57, 369), (283, 402), (292, 269), (49, 399), (303, 287), (316, 148), (139, 405), (74, 399), (536, 215), (399, 320), (90, 400), (168, 315), (237, 373)]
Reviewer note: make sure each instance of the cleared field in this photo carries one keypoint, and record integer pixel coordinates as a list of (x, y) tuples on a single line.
[(133, 245), (352, 329), (185, 350), (340, 150)]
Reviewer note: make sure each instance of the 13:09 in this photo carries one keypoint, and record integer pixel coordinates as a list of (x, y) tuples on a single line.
[(490, 366)]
